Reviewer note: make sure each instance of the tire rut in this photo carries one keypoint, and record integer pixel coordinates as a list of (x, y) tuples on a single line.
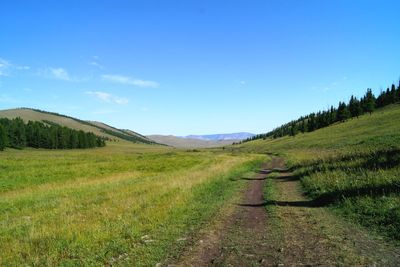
[(297, 233)]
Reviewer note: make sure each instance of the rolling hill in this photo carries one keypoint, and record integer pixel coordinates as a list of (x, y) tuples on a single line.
[(353, 167), (221, 137), (98, 128), (181, 142)]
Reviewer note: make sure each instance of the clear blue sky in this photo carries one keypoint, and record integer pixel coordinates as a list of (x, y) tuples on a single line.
[(194, 67)]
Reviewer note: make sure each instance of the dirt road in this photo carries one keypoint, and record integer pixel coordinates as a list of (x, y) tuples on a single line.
[(288, 230)]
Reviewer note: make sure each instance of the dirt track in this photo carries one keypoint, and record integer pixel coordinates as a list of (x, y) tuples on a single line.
[(296, 234)]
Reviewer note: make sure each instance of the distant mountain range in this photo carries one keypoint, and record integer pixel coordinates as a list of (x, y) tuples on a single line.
[(200, 141), (112, 133), (220, 137)]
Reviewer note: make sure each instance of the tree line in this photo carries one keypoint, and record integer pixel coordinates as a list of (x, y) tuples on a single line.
[(135, 138), (15, 133), (344, 111)]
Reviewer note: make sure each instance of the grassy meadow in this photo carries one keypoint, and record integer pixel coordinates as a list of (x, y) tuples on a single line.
[(123, 204), (352, 167)]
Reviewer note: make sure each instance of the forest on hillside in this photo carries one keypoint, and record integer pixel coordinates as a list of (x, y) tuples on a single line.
[(15, 133), (354, 108)]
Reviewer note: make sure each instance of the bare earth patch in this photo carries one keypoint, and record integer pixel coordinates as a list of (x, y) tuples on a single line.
[(297, 233)]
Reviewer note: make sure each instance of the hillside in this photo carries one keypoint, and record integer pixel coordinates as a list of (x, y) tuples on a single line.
[(352, 167), (381, 129), (221, 137), (98, 128), (181, 142)]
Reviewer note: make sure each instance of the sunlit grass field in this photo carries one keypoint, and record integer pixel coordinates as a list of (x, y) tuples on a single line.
[(353, 167), (123, 204)]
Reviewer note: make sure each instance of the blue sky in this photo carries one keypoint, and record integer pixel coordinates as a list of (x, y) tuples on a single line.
[(194, 67)]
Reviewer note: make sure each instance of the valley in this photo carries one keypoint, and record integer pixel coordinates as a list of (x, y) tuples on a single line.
[(310, 199)]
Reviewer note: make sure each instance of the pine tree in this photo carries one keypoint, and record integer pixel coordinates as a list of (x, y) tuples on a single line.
[(293, 129), (398, 92), (369, 102), (3, 138), (343, 112), (355, 107), (16, 133), (393, 95)]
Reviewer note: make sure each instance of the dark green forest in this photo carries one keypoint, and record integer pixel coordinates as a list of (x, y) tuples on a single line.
[(15, 133), (344, 111)]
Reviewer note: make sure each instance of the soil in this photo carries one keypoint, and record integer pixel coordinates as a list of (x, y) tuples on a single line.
[(296, 233)]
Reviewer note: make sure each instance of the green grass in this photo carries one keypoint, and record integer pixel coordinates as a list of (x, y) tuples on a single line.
[(122, 205), (353, 167), (271, 194)]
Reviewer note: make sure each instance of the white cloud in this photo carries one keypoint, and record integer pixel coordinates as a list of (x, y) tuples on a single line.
[(129, 81), (60, 74), (109, 98), (6, 66), (22, 67), (4, 63), (95, 62)]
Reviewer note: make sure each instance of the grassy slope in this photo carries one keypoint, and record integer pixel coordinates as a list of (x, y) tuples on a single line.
[(120, 205), (94, 127), (187, 142), (110, 128), (382, 128), (354, 167)]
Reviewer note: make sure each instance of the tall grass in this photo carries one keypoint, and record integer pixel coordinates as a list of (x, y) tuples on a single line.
[(354, 167), (119, 205)]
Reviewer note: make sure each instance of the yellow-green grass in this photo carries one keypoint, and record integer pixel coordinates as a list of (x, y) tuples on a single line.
[(121, 205), (381, 129), (354, 167)]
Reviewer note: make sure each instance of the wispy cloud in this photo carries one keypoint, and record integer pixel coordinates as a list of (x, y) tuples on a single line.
[(22, 67), (109, 98), (60, 74), (95, 62), (6, 67), (129, 80)]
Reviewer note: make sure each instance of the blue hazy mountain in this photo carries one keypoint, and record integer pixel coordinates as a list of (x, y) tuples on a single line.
[(219, 137)]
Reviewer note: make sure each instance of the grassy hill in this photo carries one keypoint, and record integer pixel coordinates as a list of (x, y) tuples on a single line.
[(382, 129), (353, 167), (98, 128), (181, 142)]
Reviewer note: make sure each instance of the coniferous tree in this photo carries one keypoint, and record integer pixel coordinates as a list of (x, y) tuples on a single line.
[(355, 107), (293, 129), (398, 92), (321, 119), (369, 102), (342, 112), (49, 135), (3, 138), (16, 133), (393, 95)]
